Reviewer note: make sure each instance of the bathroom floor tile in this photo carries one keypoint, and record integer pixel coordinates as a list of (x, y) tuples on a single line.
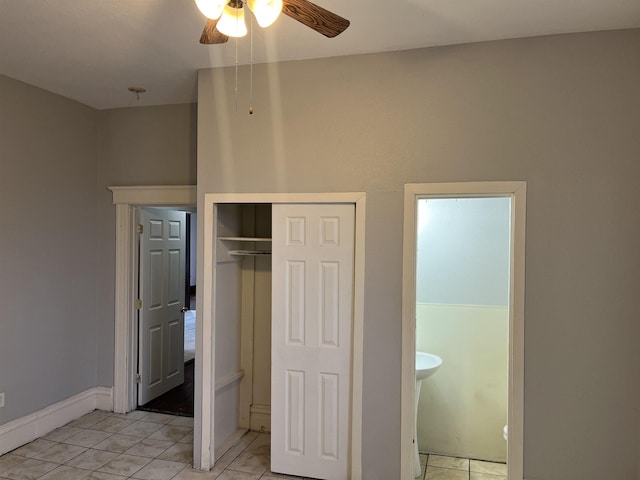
[(448, 462), (437, 473), (488, 467), (485, 476)]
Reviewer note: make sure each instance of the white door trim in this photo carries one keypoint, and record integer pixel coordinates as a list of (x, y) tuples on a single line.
[(517, 192), (204, 456), (126, 199)]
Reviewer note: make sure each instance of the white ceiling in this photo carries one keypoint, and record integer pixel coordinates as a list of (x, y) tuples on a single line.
[(93, 50)]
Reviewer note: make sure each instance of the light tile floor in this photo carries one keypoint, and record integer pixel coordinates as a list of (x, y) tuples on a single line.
[(138, 445), (438, 467), (153, 446)]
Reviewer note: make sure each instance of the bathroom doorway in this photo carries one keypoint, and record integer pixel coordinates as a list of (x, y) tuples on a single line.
[(462, 316), (462, 301)]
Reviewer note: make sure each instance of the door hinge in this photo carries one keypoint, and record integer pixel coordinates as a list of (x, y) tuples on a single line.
[(139, 228), (138, 304), (138, 378)]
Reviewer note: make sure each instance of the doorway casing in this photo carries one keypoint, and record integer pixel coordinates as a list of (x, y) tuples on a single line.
[(412, 193), (126, 199), (204, 451)]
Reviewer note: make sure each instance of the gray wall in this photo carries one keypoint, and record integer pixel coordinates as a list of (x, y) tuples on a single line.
[(559, 112), (57, 239), (137, 146), (48, 242)]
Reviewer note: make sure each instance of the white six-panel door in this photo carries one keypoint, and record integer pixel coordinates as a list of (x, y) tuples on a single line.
[(312, 282), (161, 320)]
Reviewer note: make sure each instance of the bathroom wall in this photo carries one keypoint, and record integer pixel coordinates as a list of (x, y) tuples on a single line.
[(463, 406), (463, 251), (462, 315)]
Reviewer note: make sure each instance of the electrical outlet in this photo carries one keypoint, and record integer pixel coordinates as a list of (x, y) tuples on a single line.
[(1, 399)]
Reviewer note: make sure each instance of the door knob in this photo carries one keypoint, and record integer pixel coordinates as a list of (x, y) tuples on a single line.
[(184, 309)]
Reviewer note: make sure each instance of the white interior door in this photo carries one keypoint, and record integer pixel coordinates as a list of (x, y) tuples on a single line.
[(312, 269), (161, 319)]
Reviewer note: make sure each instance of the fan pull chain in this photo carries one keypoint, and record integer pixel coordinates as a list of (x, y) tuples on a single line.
[(236, 88), (251, 71)]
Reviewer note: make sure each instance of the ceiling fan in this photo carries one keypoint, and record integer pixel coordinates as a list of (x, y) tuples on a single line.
[(226, 17)]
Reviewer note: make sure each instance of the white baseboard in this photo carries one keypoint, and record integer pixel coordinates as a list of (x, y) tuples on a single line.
[(260, 418), (26, 429)]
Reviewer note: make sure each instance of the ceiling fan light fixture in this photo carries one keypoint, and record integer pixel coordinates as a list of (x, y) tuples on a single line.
[(265, 11), (211, 9), (231, 22)]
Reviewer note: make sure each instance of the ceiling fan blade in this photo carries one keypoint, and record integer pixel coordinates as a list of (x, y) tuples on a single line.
[(322, 21), (211, 36)]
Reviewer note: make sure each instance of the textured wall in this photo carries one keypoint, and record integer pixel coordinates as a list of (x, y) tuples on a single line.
[(58, 236), (137, 146), (48, 242), (559, 112)]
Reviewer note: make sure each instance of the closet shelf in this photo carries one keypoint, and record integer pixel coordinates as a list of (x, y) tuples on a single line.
[(249, 252)]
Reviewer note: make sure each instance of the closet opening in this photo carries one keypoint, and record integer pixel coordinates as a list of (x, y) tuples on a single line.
[(258, 312), (243, 310)]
